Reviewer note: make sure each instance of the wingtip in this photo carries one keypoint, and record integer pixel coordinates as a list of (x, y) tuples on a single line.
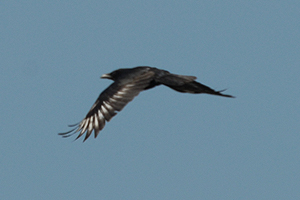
[(66, 134), (72, 125), (224, 95)]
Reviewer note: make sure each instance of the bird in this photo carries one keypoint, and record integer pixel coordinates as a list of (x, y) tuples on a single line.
[(128, 83)]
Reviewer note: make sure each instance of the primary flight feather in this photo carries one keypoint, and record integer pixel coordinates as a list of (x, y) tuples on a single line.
[(128, 83)]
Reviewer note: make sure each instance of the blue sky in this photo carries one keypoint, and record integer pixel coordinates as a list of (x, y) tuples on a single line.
[(164, 144)]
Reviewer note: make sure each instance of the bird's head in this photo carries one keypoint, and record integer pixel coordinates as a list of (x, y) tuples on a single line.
[(112, 75), (117, 74)]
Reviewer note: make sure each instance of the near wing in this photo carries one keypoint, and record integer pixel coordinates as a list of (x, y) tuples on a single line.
[(112, 99)]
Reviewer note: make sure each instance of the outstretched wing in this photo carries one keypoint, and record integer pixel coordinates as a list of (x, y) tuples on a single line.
[(169, 79), (187, 84), (112, 99)]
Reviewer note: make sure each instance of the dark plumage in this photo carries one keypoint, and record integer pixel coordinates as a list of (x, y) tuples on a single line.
[(128, 83)]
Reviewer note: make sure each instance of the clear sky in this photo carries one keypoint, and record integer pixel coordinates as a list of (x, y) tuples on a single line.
[(164, 144)]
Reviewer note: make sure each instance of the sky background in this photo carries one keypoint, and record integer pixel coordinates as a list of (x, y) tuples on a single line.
[(164, 144)]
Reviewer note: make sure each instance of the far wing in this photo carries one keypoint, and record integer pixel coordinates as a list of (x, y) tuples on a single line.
[(174, 79), (112, 99), (187, 84)]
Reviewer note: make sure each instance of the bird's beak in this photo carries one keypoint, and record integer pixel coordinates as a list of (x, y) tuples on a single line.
[(108, 76)]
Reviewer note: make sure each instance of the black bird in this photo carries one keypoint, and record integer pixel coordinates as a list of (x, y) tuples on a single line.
[(128, 83)]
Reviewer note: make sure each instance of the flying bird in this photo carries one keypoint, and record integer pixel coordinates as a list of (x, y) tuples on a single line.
[(128, 83)]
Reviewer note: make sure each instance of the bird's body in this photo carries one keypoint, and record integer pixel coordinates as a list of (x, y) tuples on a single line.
[(128, 83)]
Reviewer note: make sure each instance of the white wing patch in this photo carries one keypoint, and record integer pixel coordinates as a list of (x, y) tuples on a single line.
[(107, 108)]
